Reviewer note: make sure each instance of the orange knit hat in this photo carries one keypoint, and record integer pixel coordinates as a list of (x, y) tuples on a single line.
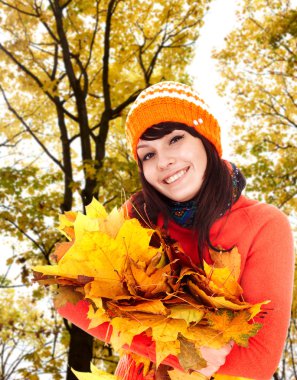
[(170, 101)]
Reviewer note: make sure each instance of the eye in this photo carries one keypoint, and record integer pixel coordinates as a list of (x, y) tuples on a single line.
[(176, 139), (147, 156)]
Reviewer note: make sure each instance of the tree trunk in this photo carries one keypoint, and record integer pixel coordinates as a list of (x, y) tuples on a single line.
[(80, 352)]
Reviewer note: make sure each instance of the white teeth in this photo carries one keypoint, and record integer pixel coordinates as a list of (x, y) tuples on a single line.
[(175, 176)]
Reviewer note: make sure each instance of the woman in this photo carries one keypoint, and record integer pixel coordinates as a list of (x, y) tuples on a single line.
[(196, 196)]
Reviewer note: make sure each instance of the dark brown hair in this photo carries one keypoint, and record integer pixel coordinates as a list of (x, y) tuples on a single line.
[(214, 198)]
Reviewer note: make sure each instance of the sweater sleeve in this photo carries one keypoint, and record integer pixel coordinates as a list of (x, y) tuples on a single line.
[(142, 344), (77, 314), (267, 275)]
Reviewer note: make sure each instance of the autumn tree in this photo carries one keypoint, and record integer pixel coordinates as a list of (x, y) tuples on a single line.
[(68, 72), (259, 65), (30, 342)]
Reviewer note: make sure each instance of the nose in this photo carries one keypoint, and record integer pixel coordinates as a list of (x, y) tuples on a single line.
[(165, 161)]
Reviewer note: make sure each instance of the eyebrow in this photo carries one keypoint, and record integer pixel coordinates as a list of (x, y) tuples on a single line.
[(142, 146)]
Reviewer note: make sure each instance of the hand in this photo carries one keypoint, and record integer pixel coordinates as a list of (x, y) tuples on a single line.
[(215, 358)]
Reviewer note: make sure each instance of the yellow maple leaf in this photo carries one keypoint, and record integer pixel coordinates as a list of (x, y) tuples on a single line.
[(227, 377), (112, 223), (205, 336), (98, 314), (233, 326), (136, 239), (164, 349), (167, 330), (256, 309), (178, 375), (188, 313), (96, 210), (126, 328), (96, 374), (60, 250), (110, 257), (105, 287), (222, 281), (66, 224), (94, 254), (149, 285), (102, 245)]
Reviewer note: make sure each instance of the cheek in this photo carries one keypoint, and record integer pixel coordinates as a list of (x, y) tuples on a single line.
[(148, 174)]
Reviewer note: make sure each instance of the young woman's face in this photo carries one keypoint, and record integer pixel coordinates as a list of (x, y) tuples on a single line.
[(174, 164)]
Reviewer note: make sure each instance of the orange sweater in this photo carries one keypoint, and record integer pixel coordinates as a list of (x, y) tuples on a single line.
[(263, 237), (264, 240)]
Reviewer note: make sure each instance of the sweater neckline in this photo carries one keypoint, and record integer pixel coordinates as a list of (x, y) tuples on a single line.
[(183, 213), (236, 205)]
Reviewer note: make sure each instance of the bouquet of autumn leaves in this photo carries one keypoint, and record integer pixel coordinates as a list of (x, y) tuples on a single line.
[(143, 289)]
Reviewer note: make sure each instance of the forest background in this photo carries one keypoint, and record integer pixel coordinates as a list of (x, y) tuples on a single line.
[(69, 70)]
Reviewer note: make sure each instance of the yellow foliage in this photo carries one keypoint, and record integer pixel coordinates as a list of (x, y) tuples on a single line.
[(139, 290), (227, 377), (178, 375), (96, 374)]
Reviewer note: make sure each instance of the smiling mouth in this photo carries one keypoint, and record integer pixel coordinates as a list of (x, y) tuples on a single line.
[(175, 176)]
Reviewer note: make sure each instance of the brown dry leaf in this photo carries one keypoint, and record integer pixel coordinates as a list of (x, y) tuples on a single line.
[(189, 357), (216, 302), (66, 294), (185, 271), (149, 286), (230, 260), (183, 260), (152, 307)]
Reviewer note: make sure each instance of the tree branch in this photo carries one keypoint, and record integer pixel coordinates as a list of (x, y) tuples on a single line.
[(107, 113), (34, 77), (18, 9), (29, 130), (117, 111), (42, 250)]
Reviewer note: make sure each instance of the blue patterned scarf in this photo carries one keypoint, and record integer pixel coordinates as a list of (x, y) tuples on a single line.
[(183, 213)]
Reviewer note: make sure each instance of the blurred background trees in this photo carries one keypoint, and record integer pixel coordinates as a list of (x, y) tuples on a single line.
[(259, 70), (258, 67)]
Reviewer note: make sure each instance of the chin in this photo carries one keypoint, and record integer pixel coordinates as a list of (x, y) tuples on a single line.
[(181, 198)]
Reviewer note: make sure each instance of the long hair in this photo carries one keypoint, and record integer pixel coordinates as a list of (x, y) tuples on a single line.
[(213, 199)]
